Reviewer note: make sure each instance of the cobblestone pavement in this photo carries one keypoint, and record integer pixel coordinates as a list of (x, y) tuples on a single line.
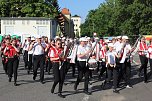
[(29, 90)]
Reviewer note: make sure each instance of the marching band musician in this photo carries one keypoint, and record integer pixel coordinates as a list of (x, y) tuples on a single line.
[(59, 74), (38, 58), (111, 66), (30, 56), (11, 51), (52, 44), (25, 49), (150, 56), (143, 58), (82, 56), (3, 45), (125, 65), (102, 58)]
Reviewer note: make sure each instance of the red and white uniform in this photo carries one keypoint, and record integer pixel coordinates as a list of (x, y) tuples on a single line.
[(54, 53), (10, 51), (150, 51), (103, 53), (142, 47)]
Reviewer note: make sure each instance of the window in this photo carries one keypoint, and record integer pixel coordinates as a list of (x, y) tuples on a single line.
[(4, 22), (14, 22), (37, 21), (28, 22), (23, 22), (47, 22), (43, 22)]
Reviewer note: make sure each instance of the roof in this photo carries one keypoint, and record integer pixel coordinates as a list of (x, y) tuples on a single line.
[(65, 11), (25, 18), (75, 16)]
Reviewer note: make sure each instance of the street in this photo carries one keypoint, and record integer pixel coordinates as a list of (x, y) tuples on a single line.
[(29, 90)]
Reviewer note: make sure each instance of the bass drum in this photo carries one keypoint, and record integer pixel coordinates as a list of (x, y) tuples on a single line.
[(92, 63)]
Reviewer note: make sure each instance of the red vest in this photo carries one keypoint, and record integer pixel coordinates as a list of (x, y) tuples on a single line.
[(11, 52), (142, 47), (56, 51)]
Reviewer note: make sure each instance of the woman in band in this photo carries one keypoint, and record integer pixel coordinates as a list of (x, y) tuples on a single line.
[(59, 74), (150, 56), (11, 52), (82, 56), (143, 58)]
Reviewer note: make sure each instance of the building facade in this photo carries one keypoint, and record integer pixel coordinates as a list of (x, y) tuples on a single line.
[(29, 26), (77, 22)]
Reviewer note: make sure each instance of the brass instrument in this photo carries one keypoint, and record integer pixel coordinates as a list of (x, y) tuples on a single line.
[(67, 51)]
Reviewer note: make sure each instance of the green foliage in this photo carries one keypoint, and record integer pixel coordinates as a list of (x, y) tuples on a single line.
[(117, 17), (29, 8)]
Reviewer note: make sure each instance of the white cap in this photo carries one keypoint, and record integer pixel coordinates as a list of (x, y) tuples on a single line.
[(32, 38), (83, 39), (118, 37), (96, 38), (110, 45), (57, 37), (88, 38), (125, 37)]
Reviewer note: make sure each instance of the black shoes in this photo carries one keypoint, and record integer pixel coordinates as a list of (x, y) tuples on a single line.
[(10, 79), (60, 95), (116, 91), (15, 84), (52, 90), (75, 87), (42, 82), (34, 77), (88, 93)]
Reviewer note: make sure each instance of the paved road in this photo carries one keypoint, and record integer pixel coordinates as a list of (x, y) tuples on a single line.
[(29, 90)]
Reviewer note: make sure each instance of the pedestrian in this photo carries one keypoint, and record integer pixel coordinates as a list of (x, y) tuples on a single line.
[(112, 68), (11, 52), (38, 58), (82, 56), (150, 57), (59, 73), (143, 58)]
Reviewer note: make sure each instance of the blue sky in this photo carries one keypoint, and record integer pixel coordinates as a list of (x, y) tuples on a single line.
[(80, 7)]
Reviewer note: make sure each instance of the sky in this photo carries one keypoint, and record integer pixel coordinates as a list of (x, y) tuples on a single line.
[(80, 7)]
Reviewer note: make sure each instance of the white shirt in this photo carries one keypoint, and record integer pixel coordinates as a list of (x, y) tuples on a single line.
[(125, 52), (31, 51), (117, 46), (111, 57), (150, 51), (26, 45), (38, 50), (82, 50)]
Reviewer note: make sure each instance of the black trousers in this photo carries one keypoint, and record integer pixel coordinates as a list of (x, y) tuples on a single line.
[(82, 71), (25, 58), (125, 72), (12, 66), (4, 65), (103, 69), (30, 61), (150, 62), (112, 71), (38, 61), (68, 67), (144, 62), (59, 76), (48, 65)]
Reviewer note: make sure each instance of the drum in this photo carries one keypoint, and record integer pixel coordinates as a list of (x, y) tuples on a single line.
[(92, 63)]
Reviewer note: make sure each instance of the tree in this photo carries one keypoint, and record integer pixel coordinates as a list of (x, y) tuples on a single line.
[(118, 17), (29, 8)]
